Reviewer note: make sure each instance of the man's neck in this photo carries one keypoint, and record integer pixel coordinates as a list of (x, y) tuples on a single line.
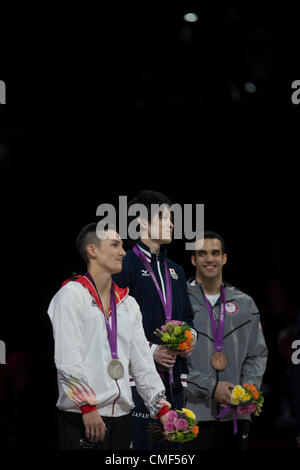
[(210, 286), (153, 245), (101, 279)]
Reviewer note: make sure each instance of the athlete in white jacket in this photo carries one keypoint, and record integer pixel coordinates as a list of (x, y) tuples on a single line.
[(99, 341)]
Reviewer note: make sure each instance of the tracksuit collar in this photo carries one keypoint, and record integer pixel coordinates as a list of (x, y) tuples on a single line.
[(228, 288), (146, 250)]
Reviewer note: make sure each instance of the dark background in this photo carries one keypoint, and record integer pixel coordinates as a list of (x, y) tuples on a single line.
[(104, 103)]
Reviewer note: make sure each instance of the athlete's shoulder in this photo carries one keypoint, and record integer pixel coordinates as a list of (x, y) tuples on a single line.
[(242, 297)]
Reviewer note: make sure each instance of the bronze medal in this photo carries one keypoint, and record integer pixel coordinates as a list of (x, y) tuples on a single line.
[(218, 360), (115, 369)]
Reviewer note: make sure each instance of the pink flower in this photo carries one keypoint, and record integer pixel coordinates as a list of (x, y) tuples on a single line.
[(246, 409), (171, 415), (181, 424), (169, 426), (176, 322)]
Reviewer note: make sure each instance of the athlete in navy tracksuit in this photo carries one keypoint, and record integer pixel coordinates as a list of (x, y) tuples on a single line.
[(135, 276)]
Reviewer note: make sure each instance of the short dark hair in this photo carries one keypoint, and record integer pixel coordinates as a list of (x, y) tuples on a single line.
[(211, 234), (86, 236), (147, 198)]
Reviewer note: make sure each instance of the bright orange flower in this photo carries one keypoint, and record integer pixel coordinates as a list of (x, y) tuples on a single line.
[(195, 430), (255, 394), (189, 335), (183, 346)]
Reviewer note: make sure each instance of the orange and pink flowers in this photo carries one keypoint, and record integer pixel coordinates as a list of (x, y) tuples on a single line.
[(245, 401), (180, 426)]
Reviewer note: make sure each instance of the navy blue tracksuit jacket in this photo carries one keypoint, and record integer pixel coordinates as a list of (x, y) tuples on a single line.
[(135, 276)]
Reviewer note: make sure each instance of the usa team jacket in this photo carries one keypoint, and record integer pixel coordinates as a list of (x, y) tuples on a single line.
[(243, 344), (142, 288), (82, 354)]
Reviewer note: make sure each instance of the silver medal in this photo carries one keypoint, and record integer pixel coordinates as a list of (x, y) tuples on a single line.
[(115, 369)]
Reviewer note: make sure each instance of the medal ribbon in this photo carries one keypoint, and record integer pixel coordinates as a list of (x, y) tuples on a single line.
[(167, 305), (225, 411), (111, 331), (217, 333)]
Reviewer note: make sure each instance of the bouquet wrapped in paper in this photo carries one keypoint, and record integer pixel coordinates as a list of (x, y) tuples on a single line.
[(245, 400), (176, 334), (180, 426)]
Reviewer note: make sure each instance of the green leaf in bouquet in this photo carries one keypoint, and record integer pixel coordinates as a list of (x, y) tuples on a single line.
[(180, 436), (157, 332), (189, 436)]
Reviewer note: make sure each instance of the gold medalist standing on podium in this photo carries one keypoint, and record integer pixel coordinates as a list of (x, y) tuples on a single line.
[(99, 341), (230, 350)]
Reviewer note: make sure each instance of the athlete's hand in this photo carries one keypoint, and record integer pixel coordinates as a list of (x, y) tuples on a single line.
[(94, 426), (165, 356), (222, 393), (163, 419)]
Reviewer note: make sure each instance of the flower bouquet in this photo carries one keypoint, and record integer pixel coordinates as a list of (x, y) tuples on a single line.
[(245, 401), (180, 426), (176, 334)]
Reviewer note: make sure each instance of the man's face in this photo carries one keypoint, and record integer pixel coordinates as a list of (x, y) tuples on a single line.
[(110, 252), (161, 227), (209, 259)]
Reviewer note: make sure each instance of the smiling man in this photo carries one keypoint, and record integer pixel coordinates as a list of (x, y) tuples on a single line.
[(230, 350), (99, 341)]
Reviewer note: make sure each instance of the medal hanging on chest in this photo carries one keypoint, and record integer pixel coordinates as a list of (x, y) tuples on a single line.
[(218, 359), (115, 367)]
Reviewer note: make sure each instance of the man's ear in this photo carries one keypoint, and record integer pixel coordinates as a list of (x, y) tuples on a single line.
[(193, 260), (91, 251), (143, 224), (224, 259)]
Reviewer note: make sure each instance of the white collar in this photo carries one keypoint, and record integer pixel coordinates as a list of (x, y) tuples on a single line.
[(147, 253)]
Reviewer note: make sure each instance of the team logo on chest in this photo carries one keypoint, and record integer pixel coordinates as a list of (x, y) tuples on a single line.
[(173, 274), (144, 272), (231, 307)]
